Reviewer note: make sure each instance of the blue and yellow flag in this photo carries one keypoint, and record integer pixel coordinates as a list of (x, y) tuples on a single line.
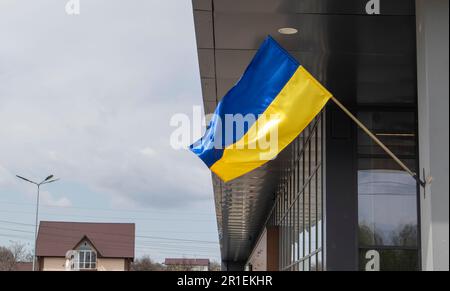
[(273, 102)]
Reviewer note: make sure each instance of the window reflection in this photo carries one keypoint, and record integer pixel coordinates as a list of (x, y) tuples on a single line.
[(387, 196), (387, 208), (394, 260), (298, 209)]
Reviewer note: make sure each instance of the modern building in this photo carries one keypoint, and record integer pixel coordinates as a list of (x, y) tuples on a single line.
[(185, 264), (333, 200), (73, 246)]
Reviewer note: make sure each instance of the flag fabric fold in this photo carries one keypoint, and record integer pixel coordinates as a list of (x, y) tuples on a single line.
[(272, 103)]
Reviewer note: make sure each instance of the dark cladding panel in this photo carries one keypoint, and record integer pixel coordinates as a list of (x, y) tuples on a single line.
[(206, 63), (232, 63), (388, 7), (209, 89), (247, 30), (386, 78), (223, 86), (204, 29), (317, 33), (202, 5), (210, 107), (341, 192)]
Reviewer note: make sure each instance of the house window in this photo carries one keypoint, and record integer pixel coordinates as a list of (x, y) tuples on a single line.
[(85, 258)]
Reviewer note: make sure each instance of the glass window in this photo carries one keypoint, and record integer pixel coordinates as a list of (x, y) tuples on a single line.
[(306, 265), (301, 227), (397, 130), (87, 257), (298, 209), (387, 208), (313, 214), (387, 196), (319, 261), (390, 259)]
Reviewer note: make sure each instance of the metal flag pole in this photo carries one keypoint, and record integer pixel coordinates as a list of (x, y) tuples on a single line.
[(384, 147)]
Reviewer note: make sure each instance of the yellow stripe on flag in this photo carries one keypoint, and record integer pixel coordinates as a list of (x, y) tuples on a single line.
[(292, 111)]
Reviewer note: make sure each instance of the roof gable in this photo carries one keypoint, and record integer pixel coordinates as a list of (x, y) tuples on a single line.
[(89, 241)]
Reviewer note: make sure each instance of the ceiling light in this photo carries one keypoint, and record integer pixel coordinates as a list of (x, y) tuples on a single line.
[(288, 30)]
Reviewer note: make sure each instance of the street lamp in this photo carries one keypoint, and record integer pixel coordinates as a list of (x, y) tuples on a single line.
[(47, 180)]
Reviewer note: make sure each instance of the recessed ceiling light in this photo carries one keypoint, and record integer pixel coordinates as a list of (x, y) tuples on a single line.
[(288, 30)]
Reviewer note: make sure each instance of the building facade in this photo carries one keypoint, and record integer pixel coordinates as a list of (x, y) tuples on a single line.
[(333, 200)]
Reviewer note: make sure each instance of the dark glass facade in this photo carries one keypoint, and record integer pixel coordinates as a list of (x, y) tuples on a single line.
[(388, 196), (336, 199), (388, 216), (298, 210)]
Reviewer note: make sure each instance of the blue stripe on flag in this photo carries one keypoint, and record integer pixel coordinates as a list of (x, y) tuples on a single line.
[(268, 73)]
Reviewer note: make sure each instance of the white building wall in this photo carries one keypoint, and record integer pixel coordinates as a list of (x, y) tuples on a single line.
[(258, 258), (433, 82), (53, 264), (104, 264)]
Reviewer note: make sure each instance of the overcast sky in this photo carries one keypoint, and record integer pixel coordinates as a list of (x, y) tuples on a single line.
[(89, 98)]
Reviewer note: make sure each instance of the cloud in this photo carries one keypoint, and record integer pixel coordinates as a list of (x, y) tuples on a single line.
[(6, 178), (89, 98), (148, 152), (48, 199)]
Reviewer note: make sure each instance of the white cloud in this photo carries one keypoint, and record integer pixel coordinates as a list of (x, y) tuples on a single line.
[(148, 152), (6, 178), (48, 199), (86, 97)]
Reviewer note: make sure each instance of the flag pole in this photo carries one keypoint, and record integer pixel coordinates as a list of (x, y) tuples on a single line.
[(376, 140)]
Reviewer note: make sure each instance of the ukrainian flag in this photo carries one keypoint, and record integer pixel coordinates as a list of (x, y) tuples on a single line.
[(283, 97)]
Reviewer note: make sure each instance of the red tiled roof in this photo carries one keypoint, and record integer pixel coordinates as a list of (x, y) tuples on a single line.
[(111, 240), (186, 262)]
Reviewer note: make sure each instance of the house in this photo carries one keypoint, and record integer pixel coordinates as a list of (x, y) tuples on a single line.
[(184, 264), (74, 246)]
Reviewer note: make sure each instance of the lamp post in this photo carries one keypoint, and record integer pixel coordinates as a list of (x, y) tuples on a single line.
[(47, 180)]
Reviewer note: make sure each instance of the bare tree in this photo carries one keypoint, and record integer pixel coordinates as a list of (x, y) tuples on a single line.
[(20, 252), (215, 266), (7, 261), (405, 235), (12, 255), (146, 264), (180, 268)]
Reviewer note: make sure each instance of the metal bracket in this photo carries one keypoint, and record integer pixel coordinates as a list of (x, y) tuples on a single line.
[(426, 182)]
